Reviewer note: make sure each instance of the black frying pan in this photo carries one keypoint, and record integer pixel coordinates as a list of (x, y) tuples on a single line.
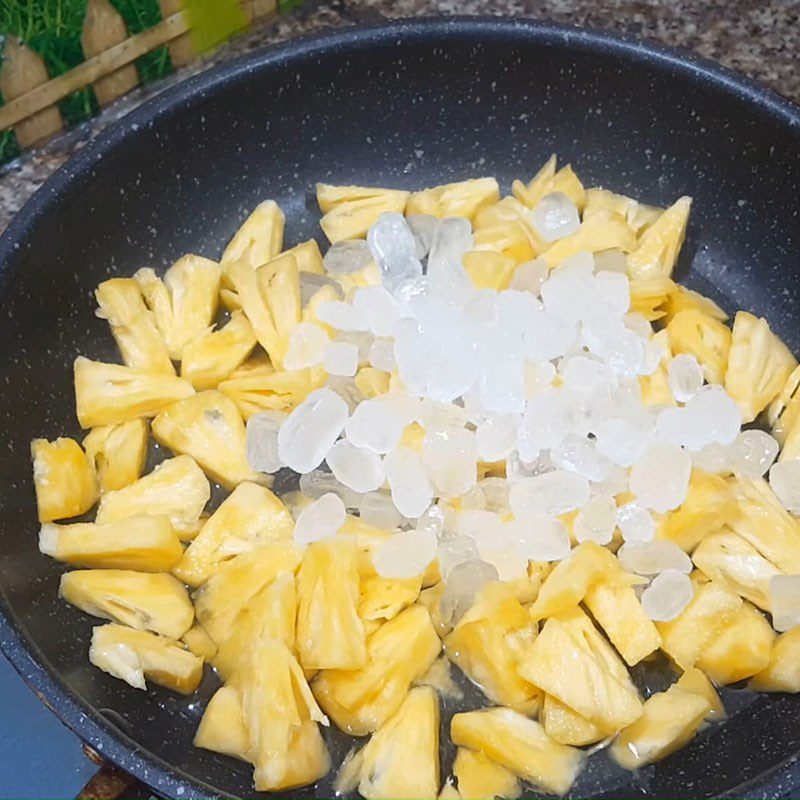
[(410, 105)]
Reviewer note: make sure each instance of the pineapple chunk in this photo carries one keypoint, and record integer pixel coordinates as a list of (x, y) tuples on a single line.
[(638, 215), (572, 662), (385, 598), (669, 721), (107, 394), (707, 339), (63, 478), (222, 728), (695, 681), (307, 256), (144, 543), (132, 656), (520, 745), (487, 645), (603, 231), (791, 448), (350, 211), (118, 453), (259, 238), (727, 558), (440, 677), (488, 269), (711, 610), (655, 387), (461, 199), (546, 181), (211, 358), (759, 518), (620, 614), (784, 411), (741, 650), (658, 247), (372, 382), (248, 517), (782, 673), (480, 778), (231, 589), (267, 390), (708, 505), (176, 488), (208, 427), (506, 228), (133, 326), (147, 602), (401, 760), (682, 298), (199, 642), (330, 634), (398, 653), (565, 726), (759, 364), (185, 302), (648, 295)]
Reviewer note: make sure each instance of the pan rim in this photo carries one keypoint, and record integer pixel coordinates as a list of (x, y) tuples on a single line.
[(86, 721)]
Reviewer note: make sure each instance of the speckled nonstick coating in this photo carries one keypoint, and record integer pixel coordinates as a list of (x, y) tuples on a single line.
[(410, 105)]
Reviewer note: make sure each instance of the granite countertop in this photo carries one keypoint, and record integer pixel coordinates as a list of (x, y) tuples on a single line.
[(760, 38)]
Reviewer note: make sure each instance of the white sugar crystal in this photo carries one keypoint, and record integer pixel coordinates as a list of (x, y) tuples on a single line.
[(613, 293), (570, 292), (616, 482), (463, 584), (485, 528), (306, 346), (473, 500), (311, 429), (502, 385), (784, 478), (784, 593), (660, 478), (496, 437), (510, 565), (653, 557), (320, 519), (453, 372), (654, 351), (579, 454), (377, 424), (753, 453), (539, 537), (539, 376), (411, 352), (405, 555), (379, 307), (378, 509), (714, 458), (432, 519), (434, 416), (423, 227), (610, 340), (346, 389), (394, 248), (451, 461), (529, 276), (455, 550), (548, 335), (381, 354), (356, 467), (408, 482), (613, 260), (496, 491), (340, 359), (262, 441), (620, 441), (316, 483), (544, 424), (685, 377), (514, 312), (556, 216), (311, 283), (638, 324), (667, 596), (517, 469), (447, 277), (552, 493), (342, 316), (636, 524), (596, 521), (587, 375), (710, 417), (343, 258), (361, 340)]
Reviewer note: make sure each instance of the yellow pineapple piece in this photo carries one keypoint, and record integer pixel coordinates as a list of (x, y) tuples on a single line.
[(259, 238), (63, 478), (648, 295), (682, 298), (638, 215), (462, 199), (221, 727), (480, 778), (199, 642), (729, 559), (402, 757), (258, 364), (655, 387), (372, 382), (784, 411), (308, 257), (565, 726), (660, 244), (118, 453), (488, 269), (782, 673), (350, 211), (520, 745), (367, 538), (759, 364), (603, 231), (711, 610), (440, 677), (398, 652), (144, 543), (176, 488), (385, 598), (759, 518), (488, 642), (669, 721), (208, 427), (547, 181), (133, 326), (141, 600), (695, 681), (791, 447), (267, 390), (506, 227), (107, 394), (704, 337), (251, 515), (133, 656)]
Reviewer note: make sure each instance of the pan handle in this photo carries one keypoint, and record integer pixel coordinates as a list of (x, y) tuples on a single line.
[(111, 783)]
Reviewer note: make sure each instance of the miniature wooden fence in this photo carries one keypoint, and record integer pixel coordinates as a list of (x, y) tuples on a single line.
[(32, 97)]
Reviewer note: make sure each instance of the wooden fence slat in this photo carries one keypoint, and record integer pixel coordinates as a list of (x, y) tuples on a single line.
[(21, 71), (258, 9), (181, 50)]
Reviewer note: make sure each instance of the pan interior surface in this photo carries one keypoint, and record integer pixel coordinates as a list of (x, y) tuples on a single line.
[(409, 106)]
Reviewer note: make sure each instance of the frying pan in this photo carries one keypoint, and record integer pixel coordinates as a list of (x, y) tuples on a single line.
[(409, 105)]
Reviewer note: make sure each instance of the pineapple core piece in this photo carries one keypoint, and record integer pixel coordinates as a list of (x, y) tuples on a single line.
[(145, 601), (118, 453), (132, 656), (185, 303), (107, 394), (251, 515), (520, 745), (782, 673), (402, 757), (176, 488), (488, 269), (480, 778), (133, 326), (208, 427), (462, 199), (704, 337), (669, 721), (696, 681), (144, 543), (63, 478), (330, 634), (399, 652), (659, 245), (565, 726), (350, 211)]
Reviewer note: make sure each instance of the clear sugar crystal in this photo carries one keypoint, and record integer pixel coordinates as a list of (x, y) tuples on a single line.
[(356, 467), (784, 478), (343, 258), (405, 555), (408, 482), (660, 478), (553, 493), (653, 557), (667, 596), (784, 592), (635, 523), (596, 521), (320, 519), (262, 441), (754, 452), (556, 216), (307, 343)]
